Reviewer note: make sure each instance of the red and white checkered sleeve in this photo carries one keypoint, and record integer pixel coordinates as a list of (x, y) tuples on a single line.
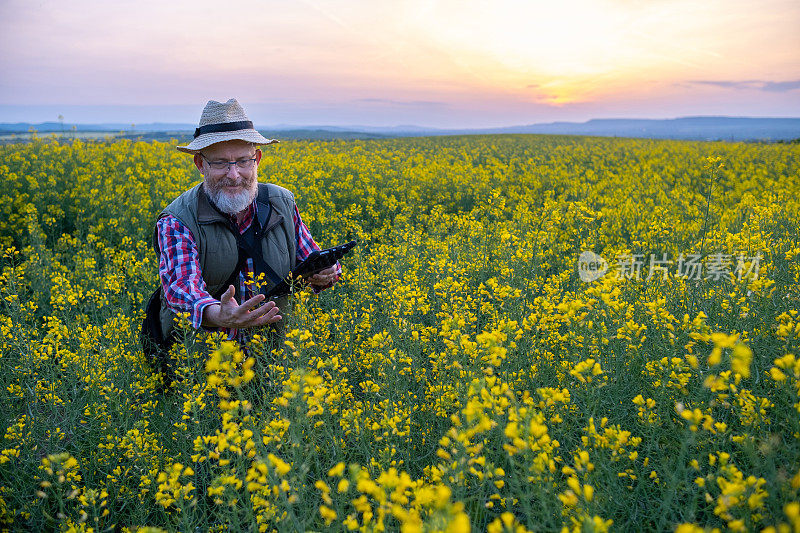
[(179, 270)]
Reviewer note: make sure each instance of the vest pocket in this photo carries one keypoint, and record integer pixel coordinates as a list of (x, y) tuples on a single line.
[(219, 260), (276, 251)]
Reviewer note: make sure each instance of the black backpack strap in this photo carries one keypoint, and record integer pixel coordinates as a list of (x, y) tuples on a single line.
[(250, 246), (247, 243)]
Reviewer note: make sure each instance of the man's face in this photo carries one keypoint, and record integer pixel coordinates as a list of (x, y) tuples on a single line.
[(232, 189)]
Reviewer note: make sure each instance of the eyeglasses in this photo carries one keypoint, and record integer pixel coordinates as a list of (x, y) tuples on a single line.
[(219, 164)]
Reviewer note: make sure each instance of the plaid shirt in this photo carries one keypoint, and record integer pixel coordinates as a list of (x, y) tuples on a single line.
[(179, 265)]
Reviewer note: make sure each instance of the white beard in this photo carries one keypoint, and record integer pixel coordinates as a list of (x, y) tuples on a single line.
[(232, 203)]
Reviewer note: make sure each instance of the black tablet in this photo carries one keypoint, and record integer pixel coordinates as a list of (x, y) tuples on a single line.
[(316, 261)]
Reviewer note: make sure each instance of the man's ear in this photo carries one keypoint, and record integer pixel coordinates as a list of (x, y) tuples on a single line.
[(198, 162), (258, 155)]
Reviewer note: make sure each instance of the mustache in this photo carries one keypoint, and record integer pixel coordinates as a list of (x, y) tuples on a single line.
[(231, 183), (240, 183)]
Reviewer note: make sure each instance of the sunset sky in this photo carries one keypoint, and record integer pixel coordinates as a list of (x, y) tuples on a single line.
[(431, 63)]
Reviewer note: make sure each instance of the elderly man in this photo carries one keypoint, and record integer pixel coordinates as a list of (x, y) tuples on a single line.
[(218, 234)]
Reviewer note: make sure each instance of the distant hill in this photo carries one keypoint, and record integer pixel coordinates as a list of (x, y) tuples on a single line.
[(695, 128), (707, 128), (58, 127)]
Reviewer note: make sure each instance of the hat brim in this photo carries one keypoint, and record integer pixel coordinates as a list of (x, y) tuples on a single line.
[(207, 139)]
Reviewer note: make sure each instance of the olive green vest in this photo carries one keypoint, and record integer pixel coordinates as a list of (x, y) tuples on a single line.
[(217, 246)]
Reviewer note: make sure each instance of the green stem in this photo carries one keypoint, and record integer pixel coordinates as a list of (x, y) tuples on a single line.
[(703, 238)]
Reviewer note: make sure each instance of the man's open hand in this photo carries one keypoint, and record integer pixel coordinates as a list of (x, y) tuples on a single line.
[(229, 314)]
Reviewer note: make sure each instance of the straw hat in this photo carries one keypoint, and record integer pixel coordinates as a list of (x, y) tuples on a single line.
[(223, 122)]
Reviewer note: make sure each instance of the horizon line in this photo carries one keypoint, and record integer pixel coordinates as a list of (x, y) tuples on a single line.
[(190, 126)]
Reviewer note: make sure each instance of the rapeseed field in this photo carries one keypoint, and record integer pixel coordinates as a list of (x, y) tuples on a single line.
[(534, 333)]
